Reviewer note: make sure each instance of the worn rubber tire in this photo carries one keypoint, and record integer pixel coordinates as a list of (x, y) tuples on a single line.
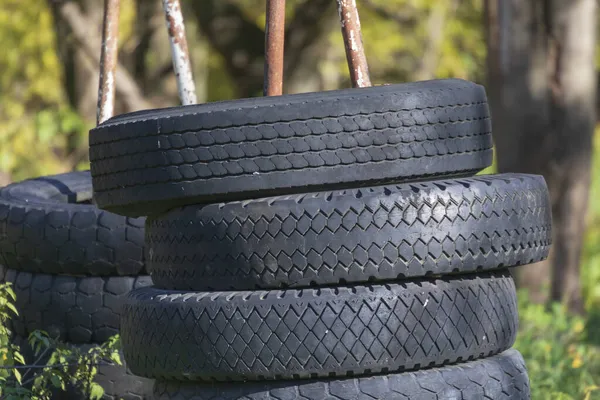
[(120, 384), (500, 377), (147, 162), (70, 309), (355, 235), (116, 380), (45, 226), (322, 332)]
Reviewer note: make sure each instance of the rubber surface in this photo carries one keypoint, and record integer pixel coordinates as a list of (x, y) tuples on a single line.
[(355, 235), (501, 377), (46, 226), (116, 380), (120, 384), (147, 162), (317, 332), (71, 309)]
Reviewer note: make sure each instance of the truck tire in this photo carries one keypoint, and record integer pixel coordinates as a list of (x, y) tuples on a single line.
[(77, 310), (352, 236), (48, 225), (147, 162), (500, 377), (324, 332)]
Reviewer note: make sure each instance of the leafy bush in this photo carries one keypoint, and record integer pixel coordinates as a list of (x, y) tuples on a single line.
[(56, 365), (561, 353)]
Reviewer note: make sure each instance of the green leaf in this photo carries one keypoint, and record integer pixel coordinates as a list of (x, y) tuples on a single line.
[(116, 357), (57, 381), (96, 391), (17, 375), (11, 293), (19, 357), (12, 308)]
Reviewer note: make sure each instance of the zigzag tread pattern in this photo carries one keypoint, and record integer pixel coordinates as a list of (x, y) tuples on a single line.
[(310, 333), (39, 232), (78, 310), (146, 163), (357, 235), (500, 377)]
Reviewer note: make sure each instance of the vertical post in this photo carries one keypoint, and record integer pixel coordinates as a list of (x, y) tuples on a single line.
[(179, 52), (108, 61), (274, 39), (355, 52)]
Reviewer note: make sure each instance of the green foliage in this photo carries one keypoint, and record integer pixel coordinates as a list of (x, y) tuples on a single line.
[(38, 129), (56, 366), (395, 47), (561, 352), (40, 133), (590, 268)]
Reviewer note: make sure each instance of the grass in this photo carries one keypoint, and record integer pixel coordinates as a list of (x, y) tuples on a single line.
[(562, 352)]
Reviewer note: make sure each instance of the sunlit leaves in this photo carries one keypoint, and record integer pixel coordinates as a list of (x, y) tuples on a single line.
[(561, 352), (54, 366)]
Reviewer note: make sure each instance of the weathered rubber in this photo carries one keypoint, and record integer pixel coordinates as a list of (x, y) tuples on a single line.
[(147, 162), (70, 309), (46, 226), (310, 333), (500, 377), (356, 235), (120, 384)]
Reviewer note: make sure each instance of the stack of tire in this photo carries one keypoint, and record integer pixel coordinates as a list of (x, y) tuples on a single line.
[(332, 245), (71, 265)]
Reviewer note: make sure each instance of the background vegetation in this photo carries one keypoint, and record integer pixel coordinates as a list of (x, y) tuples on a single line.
[(48, 78)]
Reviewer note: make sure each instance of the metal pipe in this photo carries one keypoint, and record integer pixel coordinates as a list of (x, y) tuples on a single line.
[(355, 52), (274, 43), (180, 53), (108, 61)]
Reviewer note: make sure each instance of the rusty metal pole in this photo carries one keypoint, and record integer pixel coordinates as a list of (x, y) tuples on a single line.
[(274, 39), (179, 52), (355, 52), (108, 61)]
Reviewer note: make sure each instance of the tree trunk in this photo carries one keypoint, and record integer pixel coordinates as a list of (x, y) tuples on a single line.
[(79, 36), (436, 24), (79, 72), (542, 88)]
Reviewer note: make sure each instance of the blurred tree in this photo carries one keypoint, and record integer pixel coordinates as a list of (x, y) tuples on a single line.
[(542, 86), (240, 40), (38, 129), (78, 65), (48, 71), (78, 26)]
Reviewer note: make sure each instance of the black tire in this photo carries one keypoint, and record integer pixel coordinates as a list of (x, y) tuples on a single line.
[(147, 162), (47, 225), (120, 384), (355, 235), (501, 377), (70, 309), (312, 333), (116, 380)]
